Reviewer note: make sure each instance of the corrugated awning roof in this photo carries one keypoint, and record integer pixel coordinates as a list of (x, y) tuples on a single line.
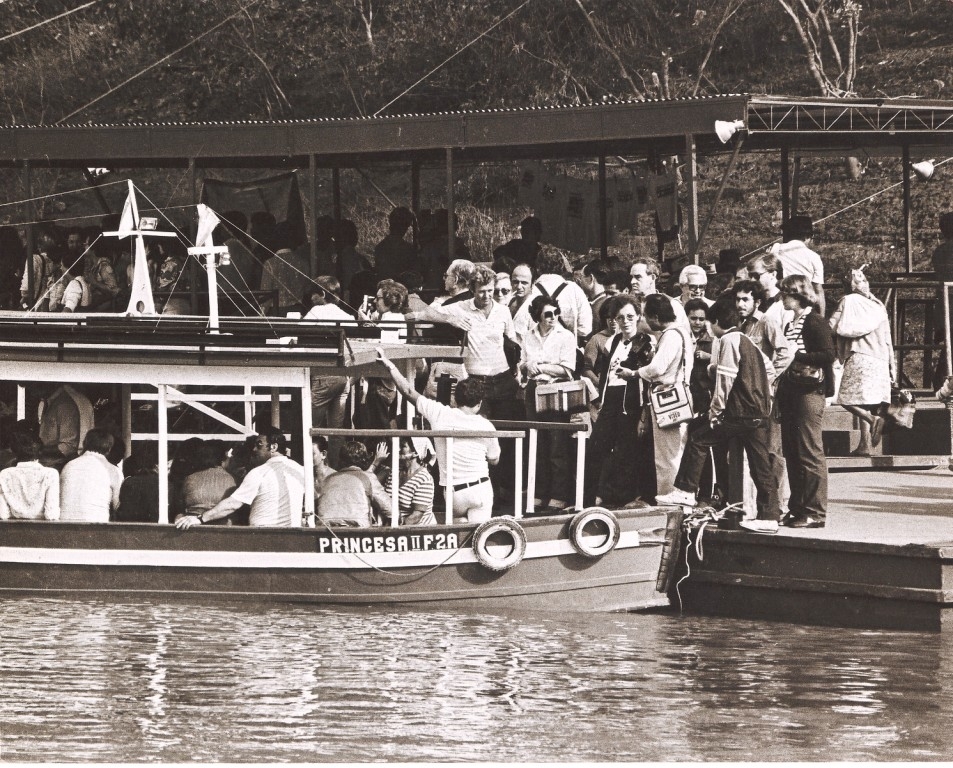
[(623, 128)]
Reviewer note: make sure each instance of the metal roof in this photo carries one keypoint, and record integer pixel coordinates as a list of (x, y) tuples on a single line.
[(625, 128)]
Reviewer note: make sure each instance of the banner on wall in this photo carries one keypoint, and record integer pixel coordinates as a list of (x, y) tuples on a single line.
[(278, 195), (569, 207)]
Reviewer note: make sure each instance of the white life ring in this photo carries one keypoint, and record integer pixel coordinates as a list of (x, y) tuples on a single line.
[(507, 535), (603, 519)]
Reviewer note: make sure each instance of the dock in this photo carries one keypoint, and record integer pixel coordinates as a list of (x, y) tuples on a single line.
[(884, 559)]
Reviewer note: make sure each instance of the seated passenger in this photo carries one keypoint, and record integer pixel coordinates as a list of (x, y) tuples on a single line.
[(89, 484), (352, 496), (274, 488), (28, 490), (415, 485), (139, 493), (210, 483)]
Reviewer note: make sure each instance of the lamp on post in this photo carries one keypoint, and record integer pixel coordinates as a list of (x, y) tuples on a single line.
[(924, 169), (725, 129)]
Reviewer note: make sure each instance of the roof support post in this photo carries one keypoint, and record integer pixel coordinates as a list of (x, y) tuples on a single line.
[(795, 185), (30, 239), (907, 224), (785, 184), (162, 411), (415, 195), (451, 207), (603, 213), (313, 218), (307, 455), (721, 189), (692, 162), (193, 263)]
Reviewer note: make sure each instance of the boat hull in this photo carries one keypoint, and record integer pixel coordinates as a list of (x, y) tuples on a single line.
[(433, 566)]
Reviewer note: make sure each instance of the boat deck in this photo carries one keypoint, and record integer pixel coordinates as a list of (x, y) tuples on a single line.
[(885, 559)]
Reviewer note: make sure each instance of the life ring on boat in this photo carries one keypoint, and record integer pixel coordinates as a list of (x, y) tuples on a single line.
[(500, 533), (604, 521)]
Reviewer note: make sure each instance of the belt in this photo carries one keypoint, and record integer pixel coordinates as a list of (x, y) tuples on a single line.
[(468, 485)]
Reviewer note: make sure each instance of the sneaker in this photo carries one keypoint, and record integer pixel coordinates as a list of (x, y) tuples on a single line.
[(677, 498), (760, 526)]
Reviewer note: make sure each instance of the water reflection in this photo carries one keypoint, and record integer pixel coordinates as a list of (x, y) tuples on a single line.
[(132, 682)]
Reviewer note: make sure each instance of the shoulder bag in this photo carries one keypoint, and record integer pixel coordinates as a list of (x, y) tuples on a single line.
[(672, 403)]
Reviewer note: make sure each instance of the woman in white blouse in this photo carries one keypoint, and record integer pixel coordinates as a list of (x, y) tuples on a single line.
[(548, 355)]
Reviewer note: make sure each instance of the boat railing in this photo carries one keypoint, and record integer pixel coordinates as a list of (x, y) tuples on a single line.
[(518, 431)]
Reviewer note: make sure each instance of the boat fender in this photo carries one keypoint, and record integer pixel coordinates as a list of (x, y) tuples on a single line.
[(603, 518), (499, 529), (671, 550)]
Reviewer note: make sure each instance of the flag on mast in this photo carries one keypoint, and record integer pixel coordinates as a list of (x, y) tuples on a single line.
[(208, 220)]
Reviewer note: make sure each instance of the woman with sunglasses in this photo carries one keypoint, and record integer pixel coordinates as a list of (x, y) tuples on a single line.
[(801, 401), (548, 355)]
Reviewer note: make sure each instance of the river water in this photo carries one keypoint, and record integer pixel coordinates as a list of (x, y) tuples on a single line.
[(129, 682)]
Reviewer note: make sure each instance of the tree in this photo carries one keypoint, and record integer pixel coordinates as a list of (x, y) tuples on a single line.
[(828, 32)]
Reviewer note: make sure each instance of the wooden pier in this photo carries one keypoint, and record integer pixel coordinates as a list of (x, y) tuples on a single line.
[(884, 560)]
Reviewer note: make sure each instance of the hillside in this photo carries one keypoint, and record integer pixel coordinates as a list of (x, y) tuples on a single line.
[(119, 61)]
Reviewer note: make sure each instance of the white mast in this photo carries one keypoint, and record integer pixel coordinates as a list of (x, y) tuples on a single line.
[(205, 247)]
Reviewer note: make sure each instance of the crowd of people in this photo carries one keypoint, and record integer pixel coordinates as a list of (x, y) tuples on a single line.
[(747, 346)]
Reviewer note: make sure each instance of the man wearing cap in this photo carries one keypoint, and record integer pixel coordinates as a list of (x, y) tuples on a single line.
[(472, 456), (796, 256)]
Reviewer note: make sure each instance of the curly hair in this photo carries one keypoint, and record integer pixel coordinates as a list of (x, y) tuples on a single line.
[(800, 287), (393, 294), (538, 304)]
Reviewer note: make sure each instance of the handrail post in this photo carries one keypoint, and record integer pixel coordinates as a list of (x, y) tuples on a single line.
[(581, 438), (448, 490), (946, 327), (163, 430), (531, 472), (394, 478), (517, 477)]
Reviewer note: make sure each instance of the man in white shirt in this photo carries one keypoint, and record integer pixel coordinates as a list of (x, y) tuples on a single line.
[(487, 323), (796, 256), (472, 456), (89, 484), (274, 488)]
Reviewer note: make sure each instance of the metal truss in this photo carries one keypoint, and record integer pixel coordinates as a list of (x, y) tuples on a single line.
[(836, 116)]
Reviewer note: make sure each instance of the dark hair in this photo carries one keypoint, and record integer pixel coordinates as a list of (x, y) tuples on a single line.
[(597, 269), (393, 293), (537, 304), (531, 225), (412, 279), (399, 220), (660, 307), (469, 393), (695, 304), (321, 441), (26, 446), (98, 441), (355, 454), (550, 261), (210, 453), (275, 437), (745, 286), (617, 277), (143, 459), (345, 233), (724, 312), (327, 286), (616, 303)]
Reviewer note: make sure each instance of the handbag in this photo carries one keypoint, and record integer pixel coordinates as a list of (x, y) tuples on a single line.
[(805, 377), (672, 403), (560, 397)]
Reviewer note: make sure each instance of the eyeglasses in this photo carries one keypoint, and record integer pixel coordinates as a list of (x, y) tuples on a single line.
[(501, 292), (626, 318), (551, 314), (696, 288)]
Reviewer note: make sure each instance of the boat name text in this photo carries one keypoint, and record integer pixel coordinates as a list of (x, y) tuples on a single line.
[(356, 545)]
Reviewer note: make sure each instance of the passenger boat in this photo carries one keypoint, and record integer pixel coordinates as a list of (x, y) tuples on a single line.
[(590, 559)]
